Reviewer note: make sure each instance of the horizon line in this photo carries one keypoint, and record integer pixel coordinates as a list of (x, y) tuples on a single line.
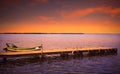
[(51, 33)]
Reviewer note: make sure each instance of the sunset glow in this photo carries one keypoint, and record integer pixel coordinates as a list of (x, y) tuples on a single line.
[(60, 16)]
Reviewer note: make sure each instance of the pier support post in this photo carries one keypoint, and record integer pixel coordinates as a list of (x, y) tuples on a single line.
[(43, 56), (77, 53), (107, 52), (4, 59), (102, 52), (64, 55), (113, 51), (93, 52)]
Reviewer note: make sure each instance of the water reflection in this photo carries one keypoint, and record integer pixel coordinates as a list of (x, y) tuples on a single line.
[(40, 60), (86, 64)]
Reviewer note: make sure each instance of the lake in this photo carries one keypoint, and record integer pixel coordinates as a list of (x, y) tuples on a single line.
[(109, 64)]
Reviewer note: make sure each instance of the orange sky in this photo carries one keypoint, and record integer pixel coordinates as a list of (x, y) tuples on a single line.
[(59, 16)]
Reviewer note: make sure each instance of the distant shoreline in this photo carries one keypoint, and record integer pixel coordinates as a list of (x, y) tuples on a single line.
[(41, 33), (59, 33)]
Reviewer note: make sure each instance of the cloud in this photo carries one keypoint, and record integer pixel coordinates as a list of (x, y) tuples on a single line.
[(8, 2), (40, 1), (111, 11), (46, 19), (35, 2), (15, 2), (88, 11)]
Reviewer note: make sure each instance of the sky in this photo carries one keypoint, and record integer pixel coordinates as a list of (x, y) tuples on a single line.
[(60, 16)]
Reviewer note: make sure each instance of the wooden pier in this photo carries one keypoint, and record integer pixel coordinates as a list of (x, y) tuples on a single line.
[(62, 52)]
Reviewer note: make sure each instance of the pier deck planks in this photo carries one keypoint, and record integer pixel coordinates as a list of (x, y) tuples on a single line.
[(52, 51)]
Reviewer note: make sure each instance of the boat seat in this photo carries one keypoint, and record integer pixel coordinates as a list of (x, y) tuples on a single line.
[(10, 45)]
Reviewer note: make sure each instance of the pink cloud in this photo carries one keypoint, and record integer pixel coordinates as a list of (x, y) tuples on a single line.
[(46, 19), (10, 2), (36, 2), (40, 1), (88, 11), (111, 11)]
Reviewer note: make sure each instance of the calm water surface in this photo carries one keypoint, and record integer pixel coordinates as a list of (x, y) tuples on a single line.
[(109, 64)]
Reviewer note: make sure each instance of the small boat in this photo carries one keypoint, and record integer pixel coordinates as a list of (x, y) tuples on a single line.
[(12, 47)]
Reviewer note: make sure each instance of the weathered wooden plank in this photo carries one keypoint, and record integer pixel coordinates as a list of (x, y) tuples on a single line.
[(54, 51)]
